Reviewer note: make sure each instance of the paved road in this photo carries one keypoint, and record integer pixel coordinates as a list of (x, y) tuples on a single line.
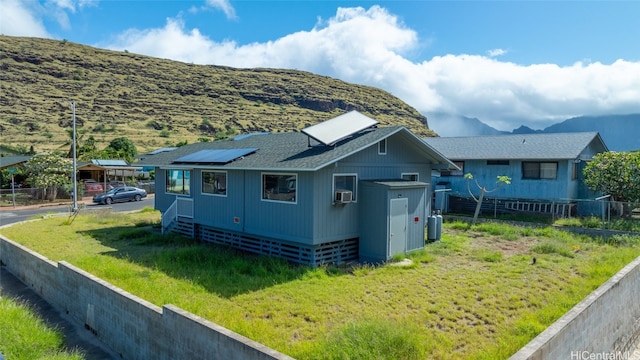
[(9, 215)]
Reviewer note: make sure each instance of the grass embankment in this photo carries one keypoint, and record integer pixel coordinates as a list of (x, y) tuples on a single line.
[(23, 335), (475, 294)]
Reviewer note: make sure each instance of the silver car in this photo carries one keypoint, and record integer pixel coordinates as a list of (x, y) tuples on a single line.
[(120, 194)]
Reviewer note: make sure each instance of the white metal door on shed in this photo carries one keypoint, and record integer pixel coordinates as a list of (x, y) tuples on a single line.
[(398, 218)]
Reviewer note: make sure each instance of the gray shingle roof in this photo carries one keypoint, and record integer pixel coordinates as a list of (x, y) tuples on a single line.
[(520, 146), (290, 151)]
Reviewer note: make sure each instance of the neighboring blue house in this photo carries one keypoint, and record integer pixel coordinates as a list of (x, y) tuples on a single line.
[(311, 197), (546, 170)]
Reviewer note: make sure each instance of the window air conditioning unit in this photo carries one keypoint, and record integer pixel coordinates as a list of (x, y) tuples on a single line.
[(344, 196)]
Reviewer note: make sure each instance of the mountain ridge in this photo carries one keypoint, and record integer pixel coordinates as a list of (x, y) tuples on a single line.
[(619, 132), (158, 102)]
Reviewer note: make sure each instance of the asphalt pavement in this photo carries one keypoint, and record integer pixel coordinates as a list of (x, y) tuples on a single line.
[(13, 214)]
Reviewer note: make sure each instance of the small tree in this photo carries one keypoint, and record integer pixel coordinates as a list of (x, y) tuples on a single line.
[(48, 171), (122, 147), (616, 174), (502, 181)]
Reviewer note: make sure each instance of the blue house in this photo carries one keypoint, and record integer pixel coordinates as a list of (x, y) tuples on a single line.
[(310, 197), (546, 171)]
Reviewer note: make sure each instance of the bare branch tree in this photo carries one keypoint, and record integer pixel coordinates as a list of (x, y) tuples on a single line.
[(502, 181)]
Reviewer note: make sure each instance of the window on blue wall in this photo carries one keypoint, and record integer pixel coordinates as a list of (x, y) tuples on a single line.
[(539, 170), (410, 176), (214, 182), (497, 162), (178, 182), (279, 187), (382, 147), (345, 182)]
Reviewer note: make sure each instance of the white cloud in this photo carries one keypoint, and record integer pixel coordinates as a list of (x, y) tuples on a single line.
[(371, 47), (26, 18), (170, 42), (62, 4), (18, 18), (366, 46), (498, 92), (496, 52), (223, 5)]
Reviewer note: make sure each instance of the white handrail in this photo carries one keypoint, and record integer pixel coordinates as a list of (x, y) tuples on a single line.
[(169, 216)]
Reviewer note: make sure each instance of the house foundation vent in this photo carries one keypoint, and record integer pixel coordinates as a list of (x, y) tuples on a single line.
[(183, 226), (328, 253)]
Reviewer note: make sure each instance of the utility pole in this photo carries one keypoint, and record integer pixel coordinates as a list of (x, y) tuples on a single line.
[(75, 162)]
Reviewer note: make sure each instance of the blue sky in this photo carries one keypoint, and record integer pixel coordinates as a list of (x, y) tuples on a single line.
[(507, 63)]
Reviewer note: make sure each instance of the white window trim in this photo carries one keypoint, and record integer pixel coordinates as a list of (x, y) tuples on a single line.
[(333, 185), (411, 174), (380, 152), (279, 174), (213, 171), (166, 173)]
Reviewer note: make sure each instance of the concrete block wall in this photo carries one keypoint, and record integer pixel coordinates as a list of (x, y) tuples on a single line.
[(605, 325), (127, 325)]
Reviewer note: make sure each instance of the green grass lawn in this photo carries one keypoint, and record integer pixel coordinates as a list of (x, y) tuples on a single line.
[(475, 294), (23, 335)]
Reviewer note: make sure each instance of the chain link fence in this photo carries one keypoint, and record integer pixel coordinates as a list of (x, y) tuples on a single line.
[(36, 196), (594, 213), (32, 196)]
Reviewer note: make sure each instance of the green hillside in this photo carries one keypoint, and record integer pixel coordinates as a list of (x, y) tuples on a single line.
[(156, 102)]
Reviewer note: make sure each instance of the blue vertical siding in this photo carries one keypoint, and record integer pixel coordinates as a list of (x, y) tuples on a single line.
[(486, 175), (225, 212), (336, 222), (282, 220), (374, 217)]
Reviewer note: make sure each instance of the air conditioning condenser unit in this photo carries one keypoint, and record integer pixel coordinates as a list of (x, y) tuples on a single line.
[(344, 196)]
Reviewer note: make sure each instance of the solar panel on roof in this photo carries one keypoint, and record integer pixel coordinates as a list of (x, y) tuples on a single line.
[(341, 127), (215, 156)]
